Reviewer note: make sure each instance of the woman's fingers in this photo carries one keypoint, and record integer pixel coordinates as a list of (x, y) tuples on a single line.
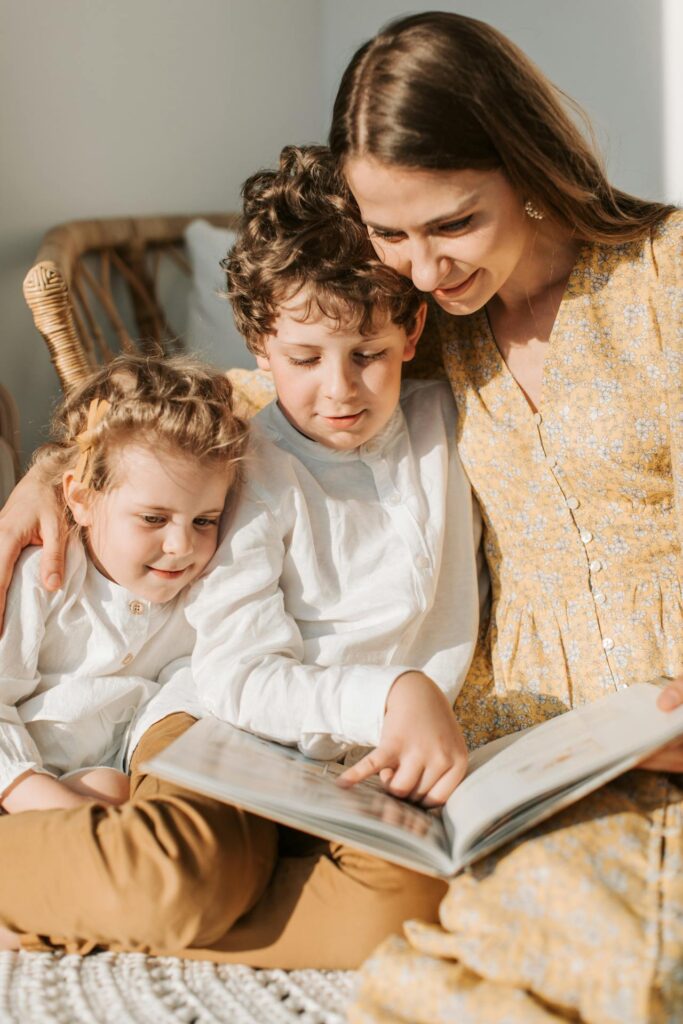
[(9, 552), (672, 695), (53, 533)]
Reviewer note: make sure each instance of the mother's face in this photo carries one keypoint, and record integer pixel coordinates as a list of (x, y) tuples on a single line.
[(460, 235)]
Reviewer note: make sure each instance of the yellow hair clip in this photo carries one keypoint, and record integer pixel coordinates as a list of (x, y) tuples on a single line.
[(97, 410)]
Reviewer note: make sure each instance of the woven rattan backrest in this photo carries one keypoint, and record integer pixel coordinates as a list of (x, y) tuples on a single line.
[(70, 296)]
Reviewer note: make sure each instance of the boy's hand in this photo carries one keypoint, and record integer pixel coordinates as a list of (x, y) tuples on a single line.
[(32, 515), (670, 757), (421, 755)]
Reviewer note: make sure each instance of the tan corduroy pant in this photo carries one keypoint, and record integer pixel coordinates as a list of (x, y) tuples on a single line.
[(173, 872)]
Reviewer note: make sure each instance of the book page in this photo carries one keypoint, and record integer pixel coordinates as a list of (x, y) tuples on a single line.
[(280, 783), (544, 761)]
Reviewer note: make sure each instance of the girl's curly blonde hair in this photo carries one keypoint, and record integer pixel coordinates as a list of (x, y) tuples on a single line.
[(175, 405)]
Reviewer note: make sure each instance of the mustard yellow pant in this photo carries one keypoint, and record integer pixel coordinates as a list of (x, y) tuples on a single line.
[(173, 872)]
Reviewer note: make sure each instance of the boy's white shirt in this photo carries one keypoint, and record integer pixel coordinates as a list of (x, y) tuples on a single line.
[(339, 572), (77, 664)]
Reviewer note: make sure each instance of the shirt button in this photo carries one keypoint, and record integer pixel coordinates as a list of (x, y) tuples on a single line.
[(608, 643), (394, 499), (572, 503), (422, 562), (586, 536), (599, 597), (136, 607), (538, 418), (127, 660), (595, 566)]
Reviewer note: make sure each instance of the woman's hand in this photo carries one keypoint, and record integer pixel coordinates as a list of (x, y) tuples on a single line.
[(32, 515), (421, 755), (670, 757)]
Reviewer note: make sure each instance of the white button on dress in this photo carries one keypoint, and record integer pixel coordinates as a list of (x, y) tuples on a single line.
[(608, 643), (572, 503), (595, 565), (586, 536)]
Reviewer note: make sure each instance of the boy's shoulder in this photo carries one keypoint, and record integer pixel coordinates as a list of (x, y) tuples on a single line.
[(421, 396)]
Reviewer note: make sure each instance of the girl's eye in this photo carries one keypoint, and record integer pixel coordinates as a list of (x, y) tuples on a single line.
[(371, 357), (152, 520), (203, 522), (302, 362)]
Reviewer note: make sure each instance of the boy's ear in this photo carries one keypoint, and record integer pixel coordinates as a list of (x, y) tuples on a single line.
[(79, 498), (413, 336), (263, 362)]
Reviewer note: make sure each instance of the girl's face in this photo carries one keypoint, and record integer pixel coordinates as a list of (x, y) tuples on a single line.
[(156, 529), (460, 235)]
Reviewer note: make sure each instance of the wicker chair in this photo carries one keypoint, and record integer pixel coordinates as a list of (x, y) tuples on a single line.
[(73, 287)]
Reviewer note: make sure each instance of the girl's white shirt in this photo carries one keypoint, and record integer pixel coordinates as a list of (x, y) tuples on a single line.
[(340, 571), (77, 664)]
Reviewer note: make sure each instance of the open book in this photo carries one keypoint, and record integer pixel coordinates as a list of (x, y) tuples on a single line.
[(511, 784)]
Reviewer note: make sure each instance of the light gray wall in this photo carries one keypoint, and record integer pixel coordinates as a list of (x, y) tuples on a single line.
[(135, 106), (607, 54), (145, 106)]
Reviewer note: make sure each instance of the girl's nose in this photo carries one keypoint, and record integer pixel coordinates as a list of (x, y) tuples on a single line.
[(178, 540)]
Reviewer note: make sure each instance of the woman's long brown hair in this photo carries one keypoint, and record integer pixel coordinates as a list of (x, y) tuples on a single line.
[(441, 91)]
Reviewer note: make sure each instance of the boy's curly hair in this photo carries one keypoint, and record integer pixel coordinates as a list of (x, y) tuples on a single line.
[(298, 232), (173, 404)]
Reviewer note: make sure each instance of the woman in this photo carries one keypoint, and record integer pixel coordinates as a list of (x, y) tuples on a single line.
[(559, 313)]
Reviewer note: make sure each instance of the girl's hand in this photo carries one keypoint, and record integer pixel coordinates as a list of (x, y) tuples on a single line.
[(32, 515), (670, 757), (421, 755)]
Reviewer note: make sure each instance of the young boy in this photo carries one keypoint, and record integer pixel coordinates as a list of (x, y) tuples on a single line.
[(342, 607), (340, 611)]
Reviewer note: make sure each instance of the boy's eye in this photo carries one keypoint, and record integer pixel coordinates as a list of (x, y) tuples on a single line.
[(204, 522), (152, 520), (371, 357)]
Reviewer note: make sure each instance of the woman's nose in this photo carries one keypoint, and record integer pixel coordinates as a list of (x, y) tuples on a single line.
[(428, 269)]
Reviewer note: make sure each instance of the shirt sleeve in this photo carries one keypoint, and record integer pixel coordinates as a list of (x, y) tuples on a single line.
[(20, 642), (249, 660)]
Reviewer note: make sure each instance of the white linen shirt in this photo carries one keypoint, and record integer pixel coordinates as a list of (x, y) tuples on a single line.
[(340, 571), (75, 666)]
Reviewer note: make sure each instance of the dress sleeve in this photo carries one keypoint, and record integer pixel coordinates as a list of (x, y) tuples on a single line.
[(249, 660), (19, 678), (668, 254)]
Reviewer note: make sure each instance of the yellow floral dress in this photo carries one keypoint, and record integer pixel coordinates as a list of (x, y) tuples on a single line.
[(583, 511)]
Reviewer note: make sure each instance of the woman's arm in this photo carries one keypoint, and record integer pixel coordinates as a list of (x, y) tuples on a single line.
[(33, 514)]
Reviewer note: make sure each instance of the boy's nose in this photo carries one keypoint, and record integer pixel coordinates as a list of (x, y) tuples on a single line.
[(340, 382)]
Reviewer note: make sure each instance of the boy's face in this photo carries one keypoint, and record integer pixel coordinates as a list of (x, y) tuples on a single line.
[(334, 385), (156, 529)]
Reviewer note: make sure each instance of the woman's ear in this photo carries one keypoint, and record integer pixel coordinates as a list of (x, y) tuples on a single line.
[(413, 336), (79, 498)]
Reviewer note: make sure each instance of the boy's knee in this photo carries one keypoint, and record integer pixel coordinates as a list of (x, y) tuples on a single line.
[(181, 881)]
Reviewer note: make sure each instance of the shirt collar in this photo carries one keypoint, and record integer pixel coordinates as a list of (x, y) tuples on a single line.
[(277, 427)]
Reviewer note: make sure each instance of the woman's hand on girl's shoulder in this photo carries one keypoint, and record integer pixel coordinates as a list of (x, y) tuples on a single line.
[(32, 515), (670, 757)]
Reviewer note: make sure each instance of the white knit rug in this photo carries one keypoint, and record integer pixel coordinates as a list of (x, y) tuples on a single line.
[(46, 988)]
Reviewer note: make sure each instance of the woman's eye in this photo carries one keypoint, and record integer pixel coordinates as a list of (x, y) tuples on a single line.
[(455, 225), (386, 236)]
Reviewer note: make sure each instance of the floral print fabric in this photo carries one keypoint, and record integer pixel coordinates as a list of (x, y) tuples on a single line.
[(583, 511)]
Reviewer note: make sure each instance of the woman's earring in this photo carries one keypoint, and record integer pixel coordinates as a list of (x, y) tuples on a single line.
[(532, 211)]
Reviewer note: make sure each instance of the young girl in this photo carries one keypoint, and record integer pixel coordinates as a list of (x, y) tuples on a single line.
[(149, 451)]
